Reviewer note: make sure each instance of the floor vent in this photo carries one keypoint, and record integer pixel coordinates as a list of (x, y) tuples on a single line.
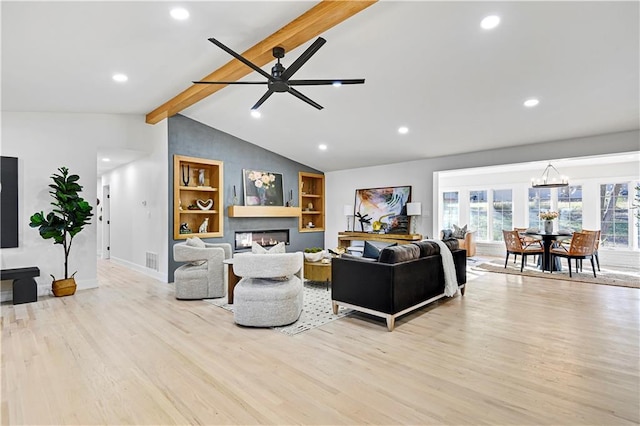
[(152, 261)]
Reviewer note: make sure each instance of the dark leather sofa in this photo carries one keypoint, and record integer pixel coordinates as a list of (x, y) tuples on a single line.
[(403, 278)]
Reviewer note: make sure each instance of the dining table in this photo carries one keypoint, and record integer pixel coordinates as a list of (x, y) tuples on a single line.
[(548, 239)]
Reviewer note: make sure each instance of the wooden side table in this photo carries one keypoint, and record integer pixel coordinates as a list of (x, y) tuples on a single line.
[(232, 280), (318, 272)]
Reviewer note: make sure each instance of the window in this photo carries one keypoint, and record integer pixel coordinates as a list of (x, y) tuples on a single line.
[(450, 210), (614, 215), (502, 212), (539, 200), (570, 208), (478, 213)]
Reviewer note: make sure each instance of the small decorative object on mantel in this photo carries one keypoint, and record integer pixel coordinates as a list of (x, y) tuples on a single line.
[(205, 204), (205, 225), (548, 218), (235, 196)]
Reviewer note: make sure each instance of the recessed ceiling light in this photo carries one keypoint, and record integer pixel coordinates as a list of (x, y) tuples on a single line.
[(531, 102), (255, 113), (322, 147), (120, 78), (403, 130), (106, 160), (179, 13), (490, 22), (337, 83)]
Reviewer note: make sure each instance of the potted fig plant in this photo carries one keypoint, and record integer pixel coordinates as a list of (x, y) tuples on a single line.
[(70, 214)]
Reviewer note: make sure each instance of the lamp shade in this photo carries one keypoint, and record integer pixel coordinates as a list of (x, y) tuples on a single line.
[(348, 210), (414, 209)]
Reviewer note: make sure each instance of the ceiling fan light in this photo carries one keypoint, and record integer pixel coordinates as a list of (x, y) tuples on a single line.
[(255, 113)]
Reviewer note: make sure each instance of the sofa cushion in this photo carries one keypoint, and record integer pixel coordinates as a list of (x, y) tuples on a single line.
[(399, 253), (428, 248), (357, 257), (372, 249), (447, 234), (453, 244)]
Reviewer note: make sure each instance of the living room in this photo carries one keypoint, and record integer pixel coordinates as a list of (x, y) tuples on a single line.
[(44, 137)]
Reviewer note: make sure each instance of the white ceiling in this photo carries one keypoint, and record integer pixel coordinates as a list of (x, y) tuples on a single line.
[(428, 65)]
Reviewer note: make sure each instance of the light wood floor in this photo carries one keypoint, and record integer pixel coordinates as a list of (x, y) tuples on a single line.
[(512, 351)]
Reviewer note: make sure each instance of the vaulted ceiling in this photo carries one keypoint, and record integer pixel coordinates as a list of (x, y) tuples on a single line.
[(428, 66)]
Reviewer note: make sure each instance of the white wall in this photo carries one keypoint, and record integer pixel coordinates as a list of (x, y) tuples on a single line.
[(138, 208), (341, 185), (43, 142)]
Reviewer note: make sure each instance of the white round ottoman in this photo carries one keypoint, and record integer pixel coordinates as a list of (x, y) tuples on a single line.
[(260, 302)]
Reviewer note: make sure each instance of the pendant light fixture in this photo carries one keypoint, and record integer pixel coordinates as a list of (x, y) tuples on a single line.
[(550, 178)]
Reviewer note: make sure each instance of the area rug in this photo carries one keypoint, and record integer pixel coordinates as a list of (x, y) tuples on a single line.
[(604, 277), (316, 309)]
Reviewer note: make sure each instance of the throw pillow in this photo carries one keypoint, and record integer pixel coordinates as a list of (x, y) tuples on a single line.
[(195, 242), (459, 232), (447, 234), (258, 249), (198, 243), (372, 251)]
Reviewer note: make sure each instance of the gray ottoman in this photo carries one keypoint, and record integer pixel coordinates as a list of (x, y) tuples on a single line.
[(260, 302)]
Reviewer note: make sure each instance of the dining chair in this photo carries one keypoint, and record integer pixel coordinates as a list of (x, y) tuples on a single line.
[(515, 246), (527, 240), (582, 247), (567, 243)]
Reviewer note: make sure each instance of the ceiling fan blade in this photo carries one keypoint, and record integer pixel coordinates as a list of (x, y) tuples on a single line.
[(311, 50), (230, 82), (325, 82), (262, 99), (240, 58), (299, 95)]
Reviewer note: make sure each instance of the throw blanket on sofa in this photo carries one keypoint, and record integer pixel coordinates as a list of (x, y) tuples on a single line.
[(450, 279)]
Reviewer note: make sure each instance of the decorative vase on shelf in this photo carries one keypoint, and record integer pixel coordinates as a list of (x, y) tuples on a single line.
[(548, 226)]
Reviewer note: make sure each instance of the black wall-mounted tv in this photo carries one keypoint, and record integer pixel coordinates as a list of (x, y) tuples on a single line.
[(9, 202)]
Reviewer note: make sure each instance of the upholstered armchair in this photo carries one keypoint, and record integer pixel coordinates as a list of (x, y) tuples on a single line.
[(203, 275), (270, 293), (466, 242)]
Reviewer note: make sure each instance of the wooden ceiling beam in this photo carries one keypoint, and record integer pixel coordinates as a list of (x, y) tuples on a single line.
[(310, 24)]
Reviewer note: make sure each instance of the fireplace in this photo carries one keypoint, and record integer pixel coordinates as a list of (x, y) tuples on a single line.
[(244, 239)]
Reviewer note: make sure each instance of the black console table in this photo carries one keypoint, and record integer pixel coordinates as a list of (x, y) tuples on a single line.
[(25, 289)]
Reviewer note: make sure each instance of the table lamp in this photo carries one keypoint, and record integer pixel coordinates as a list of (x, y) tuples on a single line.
[(414, 209), (348, 211)]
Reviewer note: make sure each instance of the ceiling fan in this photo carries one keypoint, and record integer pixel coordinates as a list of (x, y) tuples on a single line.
[(279, 79)]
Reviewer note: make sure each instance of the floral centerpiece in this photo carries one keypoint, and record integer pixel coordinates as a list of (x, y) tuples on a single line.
[(548, 218), (548, 215)]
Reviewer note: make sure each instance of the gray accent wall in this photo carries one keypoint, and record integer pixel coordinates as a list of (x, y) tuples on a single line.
[(194, 139)]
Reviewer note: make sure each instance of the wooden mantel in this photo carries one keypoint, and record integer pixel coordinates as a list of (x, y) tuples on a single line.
[(310, 24)]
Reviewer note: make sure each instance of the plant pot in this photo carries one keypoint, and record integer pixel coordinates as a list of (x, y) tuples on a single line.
[(65, 287)]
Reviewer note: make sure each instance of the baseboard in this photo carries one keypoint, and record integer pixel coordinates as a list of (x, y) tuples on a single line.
[(143, 270)]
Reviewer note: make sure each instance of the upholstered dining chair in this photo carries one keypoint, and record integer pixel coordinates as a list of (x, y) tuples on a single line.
[(203, 274), (583, 245), (515, 246)]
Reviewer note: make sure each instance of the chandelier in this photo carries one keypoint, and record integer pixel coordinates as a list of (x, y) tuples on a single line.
[(550, 178)]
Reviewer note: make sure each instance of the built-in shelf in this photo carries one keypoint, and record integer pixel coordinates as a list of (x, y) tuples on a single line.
[(263, 211), (311, 200), (197, 179)]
